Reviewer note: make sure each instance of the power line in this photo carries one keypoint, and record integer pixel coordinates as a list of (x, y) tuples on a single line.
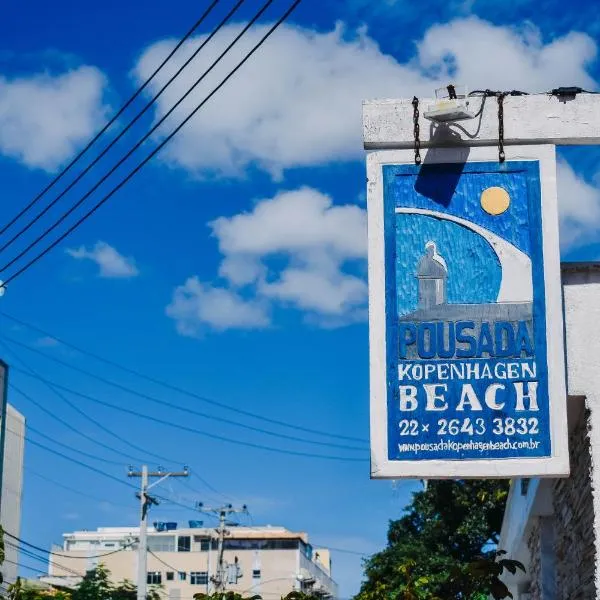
[(24, 566), (66, 447), (90, 467), (173, 387), (131, 152), (30, 545), (72, 489), (43, 559), (155, 151), (100, 426), (80, 463), (160, 560), (100, 472), (68, 402), (119, 136), (193, 430), (111, 121), (62, 421), (181, 408)]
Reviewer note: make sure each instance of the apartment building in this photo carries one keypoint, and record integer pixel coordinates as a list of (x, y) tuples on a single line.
[(270, 561), (12, 488)]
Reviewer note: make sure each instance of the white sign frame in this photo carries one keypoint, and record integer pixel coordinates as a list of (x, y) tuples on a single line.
[(557, 465)]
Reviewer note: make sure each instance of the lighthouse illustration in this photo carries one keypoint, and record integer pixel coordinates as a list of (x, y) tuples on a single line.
[(432, 273)]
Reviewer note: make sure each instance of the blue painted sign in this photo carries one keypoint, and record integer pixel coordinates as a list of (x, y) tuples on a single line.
[(465, 312)]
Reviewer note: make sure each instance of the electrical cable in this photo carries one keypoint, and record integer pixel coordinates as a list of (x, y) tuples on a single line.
[(124, 158), (103, 473), (30, 399), (187, 410), (66, 447), (24, 566), (76, 159), (132, 173), (160, 560), (30, 545), (82, 464), (72, 489), (43, 559), (62, 421), (173, 387), (100, 426), (122, 133), (195, 431)]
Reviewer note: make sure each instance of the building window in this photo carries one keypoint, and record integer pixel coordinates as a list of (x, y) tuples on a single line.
[(170, 576), (198, 577), (204, 545), (256, 574), (182, 575), (184, 543), (154, 578), (161, 543), (258, 544)]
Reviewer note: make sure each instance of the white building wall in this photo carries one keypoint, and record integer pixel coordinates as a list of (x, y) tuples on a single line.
[(268, 571), (12, 487), (548, 523)]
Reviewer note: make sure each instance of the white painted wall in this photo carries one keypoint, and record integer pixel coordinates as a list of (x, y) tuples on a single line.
[(581, 289), (12, 487)]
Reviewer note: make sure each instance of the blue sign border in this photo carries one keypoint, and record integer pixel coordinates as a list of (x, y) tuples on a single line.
[(390, 172)]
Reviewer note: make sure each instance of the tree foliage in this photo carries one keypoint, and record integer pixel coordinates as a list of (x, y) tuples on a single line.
[(26, 591), (95, 585), (444, 547)]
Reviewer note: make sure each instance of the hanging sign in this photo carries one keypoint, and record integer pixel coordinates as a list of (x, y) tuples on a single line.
[(467, 358)]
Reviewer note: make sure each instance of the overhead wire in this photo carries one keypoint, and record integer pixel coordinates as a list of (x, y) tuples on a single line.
[(65, 423), (74, 490), (138, 116), (62, 421), (128, 154), (176, 388), (66, 447), (85, 415), (24, 566), (69, 403), (104, 473), (112, 120), (62, 555), (160, 560), (43, 559), (195, 431), (153, 153), (82, 464), (174, 406)]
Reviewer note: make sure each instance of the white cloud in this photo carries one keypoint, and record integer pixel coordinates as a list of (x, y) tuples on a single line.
[(578, 206), (112, 264), (297, 102), (297, 250), (299, 221), (196, 305), (44, 119)]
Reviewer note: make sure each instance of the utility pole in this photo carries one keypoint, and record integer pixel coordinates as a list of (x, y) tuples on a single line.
[(146, 501), (219, 579)]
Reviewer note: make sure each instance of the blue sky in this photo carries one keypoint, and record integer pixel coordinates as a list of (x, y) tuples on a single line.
[(234, 264)]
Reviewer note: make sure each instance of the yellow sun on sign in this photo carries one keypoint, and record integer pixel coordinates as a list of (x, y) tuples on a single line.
[(495, 200)]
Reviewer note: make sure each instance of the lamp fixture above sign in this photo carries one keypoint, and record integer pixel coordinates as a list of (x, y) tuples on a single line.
[(452, 103)]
